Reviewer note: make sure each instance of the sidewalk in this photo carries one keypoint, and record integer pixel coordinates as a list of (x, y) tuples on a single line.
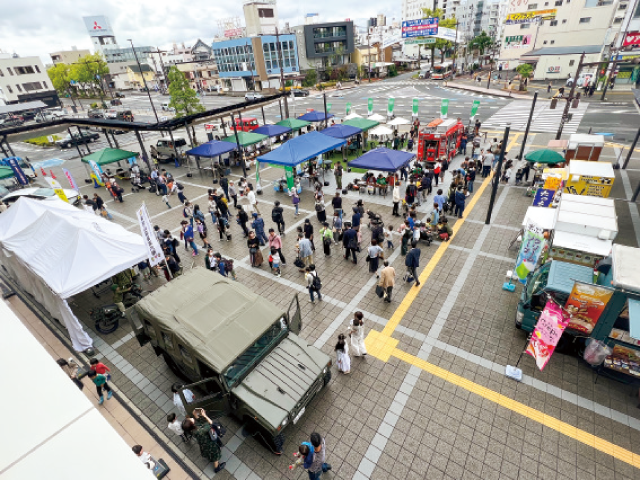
[(114, 411)]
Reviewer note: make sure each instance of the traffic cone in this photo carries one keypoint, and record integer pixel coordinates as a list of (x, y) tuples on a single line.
[(44, 174), (52, 175)]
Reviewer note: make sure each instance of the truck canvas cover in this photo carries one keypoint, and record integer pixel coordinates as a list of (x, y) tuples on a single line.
[(625, 268)]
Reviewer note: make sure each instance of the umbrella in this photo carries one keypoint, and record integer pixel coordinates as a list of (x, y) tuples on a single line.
[(377, 118), (544, 156), (351, 116), (272, 130), (399, 121)]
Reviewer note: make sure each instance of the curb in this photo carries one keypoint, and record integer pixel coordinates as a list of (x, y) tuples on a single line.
[(495, 93)]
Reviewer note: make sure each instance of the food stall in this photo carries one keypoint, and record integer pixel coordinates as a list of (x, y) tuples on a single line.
[(584, 147), (590, 178)]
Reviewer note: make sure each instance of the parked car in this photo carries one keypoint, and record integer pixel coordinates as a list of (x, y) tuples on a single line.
[(40, 193), (11, 121), (167, 108), (95, 113), (163, 150), (78, 139), (253, 96), (125, 115), (118, 95), (300, 92), (111, 113), (424, 74)]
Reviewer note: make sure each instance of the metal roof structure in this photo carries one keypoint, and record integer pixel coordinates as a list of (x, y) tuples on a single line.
[(569, 50), (21, 107)]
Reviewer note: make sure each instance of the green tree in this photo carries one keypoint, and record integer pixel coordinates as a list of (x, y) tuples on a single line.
[(442, 45), (183, 98), (481, 43), (310, 79), (525, 70), (392, 71), (60, 78), (89, 72)]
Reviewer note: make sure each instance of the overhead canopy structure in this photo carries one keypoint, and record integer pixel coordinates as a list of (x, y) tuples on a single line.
[(383, 159), (293, 123), (213, 148), (5, 172), (399, 121), (300, 149), (361, 123), (21, 107), (109, 155), (544, 156), (315, 116), (56, 251), (245, 139), (376, 117), (341, 131), (272, 130)]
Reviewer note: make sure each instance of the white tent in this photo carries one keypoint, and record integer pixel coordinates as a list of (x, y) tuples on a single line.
[(351, 116), (381, 131), (377, 118), (56, 251), (399, 121)]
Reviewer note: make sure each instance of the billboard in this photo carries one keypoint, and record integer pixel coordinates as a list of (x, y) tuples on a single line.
[(632, 38), (234, 32), (530, 16), (98, 26), (517, 41), (421, 27)]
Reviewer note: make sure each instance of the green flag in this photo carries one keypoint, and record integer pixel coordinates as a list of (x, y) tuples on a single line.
[(288, 171), (348, 108), (257, 173), (415, 107), (370, 107), (328, 107), (474, 108), (444, 108), (392, 102)]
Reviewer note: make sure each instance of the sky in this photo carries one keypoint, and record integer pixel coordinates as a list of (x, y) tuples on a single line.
[(38, 27)]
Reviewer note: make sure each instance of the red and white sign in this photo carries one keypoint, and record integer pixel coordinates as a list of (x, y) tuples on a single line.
[(233, 32), (547, 333), (553, 69), (632, 38)]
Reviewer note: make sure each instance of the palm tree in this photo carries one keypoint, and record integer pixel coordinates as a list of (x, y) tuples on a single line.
[(481, 43), (525, 70)]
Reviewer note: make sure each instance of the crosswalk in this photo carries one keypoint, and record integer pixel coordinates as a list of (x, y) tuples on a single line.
[(544, 119)]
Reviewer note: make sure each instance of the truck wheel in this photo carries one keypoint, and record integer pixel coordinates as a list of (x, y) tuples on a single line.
[(173, 367), (327, 377), (278, 443), (253, 429)]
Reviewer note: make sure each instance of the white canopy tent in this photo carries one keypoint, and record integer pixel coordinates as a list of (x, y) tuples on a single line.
[(376, 117), (56, 251), (351, 116), (399, 121)]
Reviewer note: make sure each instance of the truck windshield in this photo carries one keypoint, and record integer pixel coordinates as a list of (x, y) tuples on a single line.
[(537, 282), (255, 352)]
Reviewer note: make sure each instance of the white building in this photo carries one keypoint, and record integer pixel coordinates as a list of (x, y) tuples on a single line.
[(477, 16), (24, 79), (261, 17), (627, 47), (552, 35)]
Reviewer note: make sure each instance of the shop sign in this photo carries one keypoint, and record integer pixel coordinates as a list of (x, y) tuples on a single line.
[(517, 41), (421, 27), (553, 69), (547, 334), (530, 16), (585, 305), (530, 251), (632, 38), (148, 236), (553, 183), (544, 197)]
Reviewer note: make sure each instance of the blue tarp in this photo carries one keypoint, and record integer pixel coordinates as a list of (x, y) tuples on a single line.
[(383, 159), (300, 149), (272, 130), (213, 148), (314, 116), (341, 131)]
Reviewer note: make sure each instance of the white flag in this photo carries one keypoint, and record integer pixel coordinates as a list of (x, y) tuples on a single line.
[(148, 235)]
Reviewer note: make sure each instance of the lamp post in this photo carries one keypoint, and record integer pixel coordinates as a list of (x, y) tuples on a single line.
[(144, 81)]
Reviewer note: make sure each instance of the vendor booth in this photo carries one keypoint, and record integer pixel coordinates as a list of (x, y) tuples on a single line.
[(584, 147), (212, 149), (273, 130), (590, 178), (55, 251), (252, 143), (376, 117), (351, 116), (293, 123), (344, 132), (107, 156), (383, 159)]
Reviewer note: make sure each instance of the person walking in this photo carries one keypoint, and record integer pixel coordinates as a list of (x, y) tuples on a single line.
[(460, 199), (315, 464), (343, 361), (258, 226), (470, 177), (321, 213), (175, 426), (413, 262), (243, 218), (277, 215), (436, 171), (487, 163), (201, 227), (295, 199), (253, 202), (396, 200), (443, 168), (337, 172), (276, 242), (387, 281), (233, 193), (186, 233), (350, 242), (213, 209), (305, 251), (308, 232), (336, 202), (337, 228), (255, 255), (327, 238), (224, 183), (100, 381), (187, 212), (314, 284), (374, 252), (407, 235), (200, 428), (356, 332)]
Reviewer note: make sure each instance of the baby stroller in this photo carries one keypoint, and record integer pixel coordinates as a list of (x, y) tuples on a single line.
[(136, 183), (425, 232)]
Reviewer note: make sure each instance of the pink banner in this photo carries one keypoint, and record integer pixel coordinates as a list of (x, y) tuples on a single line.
[(547, 334)]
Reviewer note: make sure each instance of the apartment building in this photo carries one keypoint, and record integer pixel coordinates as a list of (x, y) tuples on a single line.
[(24, 79), (68, 56)]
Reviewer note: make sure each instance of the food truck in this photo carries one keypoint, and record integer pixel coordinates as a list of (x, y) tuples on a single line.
[(589, 178), (439, 139), (584, 147)]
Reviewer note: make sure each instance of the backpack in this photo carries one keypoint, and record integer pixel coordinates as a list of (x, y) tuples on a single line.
[(316, 283), (276, 216)]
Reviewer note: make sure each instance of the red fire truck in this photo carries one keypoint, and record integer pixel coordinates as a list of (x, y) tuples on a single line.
[(439, 139), (248, 124)]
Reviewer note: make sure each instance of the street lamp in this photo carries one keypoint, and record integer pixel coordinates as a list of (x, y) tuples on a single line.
[(144, 81)]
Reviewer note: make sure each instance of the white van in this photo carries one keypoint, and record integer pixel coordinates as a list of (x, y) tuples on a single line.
[(166, 107)]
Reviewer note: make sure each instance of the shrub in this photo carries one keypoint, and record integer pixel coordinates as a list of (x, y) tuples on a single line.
[(42, 141), (393, 71)]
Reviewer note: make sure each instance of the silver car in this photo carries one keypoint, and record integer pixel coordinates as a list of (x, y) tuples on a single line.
[(41, 193), (253, 96)]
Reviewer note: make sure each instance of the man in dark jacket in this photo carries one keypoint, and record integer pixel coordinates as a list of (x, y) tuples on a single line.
[(277, 215), (224, 183), (355, 219), (412, 261), (350, 242)]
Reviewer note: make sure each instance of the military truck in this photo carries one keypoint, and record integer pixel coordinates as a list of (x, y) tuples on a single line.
[(241, 351), (164, 150)]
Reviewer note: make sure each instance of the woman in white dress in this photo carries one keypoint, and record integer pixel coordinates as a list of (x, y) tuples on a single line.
[(342, 355), (356, 332)]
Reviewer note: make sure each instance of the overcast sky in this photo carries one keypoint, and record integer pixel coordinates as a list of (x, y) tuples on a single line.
[(38, 27)]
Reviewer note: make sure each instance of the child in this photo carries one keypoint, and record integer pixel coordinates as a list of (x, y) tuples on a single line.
[(100, 368), (519, 175), (304, 453), (176, 426), (416, 233), (445, 232), (202, 230), (275, 261), (388, 235), (342, 353), (165, 199), (100, 381), (177, 401), (104, 212)]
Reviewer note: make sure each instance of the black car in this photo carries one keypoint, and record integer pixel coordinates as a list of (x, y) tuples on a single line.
[(115, 102), (300, 93), (118, 95), (11, 121), (78, 139), (95, 113)]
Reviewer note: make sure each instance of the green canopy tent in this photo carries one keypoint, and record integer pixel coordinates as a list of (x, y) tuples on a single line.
[(544, 156), (293, 123), (107, 156), (364, 125), (245, 139), (6, 172)]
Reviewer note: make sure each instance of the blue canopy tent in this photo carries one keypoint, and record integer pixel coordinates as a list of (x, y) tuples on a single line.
[(272, 130), (341, 131), (383, 159), (214, 148), (315, 116), (300, 149)]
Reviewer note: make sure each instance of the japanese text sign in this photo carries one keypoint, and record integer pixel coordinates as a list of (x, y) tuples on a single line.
[(421, 27), (530, 250), (585, 305), (544, 197), (547, 334)]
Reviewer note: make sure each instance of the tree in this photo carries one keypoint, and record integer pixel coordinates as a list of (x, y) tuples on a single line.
[(60, 78), (392, 71), (183, 98), (310, 79), (89, 71), (525, 70), (481, 43), (442, 45)]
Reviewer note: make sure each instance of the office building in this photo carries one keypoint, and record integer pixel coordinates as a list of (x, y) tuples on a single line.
[(324, 45), (260, 16), (24, 79), (68, 56)]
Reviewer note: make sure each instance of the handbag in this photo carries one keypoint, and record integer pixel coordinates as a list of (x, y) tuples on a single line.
[(319, 207), (298, 262), (379, 291), (368, 259)]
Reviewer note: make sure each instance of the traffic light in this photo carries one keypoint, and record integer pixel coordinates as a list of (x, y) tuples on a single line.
[(554, 102)]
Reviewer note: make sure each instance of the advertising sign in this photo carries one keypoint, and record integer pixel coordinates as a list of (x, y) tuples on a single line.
[(17, 171), (388, 41), (517, 41), (547, 334), (421, 41), (96, 173), (474, 108), (370, 106), (53, 183), (530, 251), (98, 26), (530, 16), (446, 34), (552, 182), (553, 69), (149, 237), (288, 171), (233, 32), (585, 305), (544, 197), (390, 105), (70, 179), (444, 108), (328, 107), (632, 38), (348, 108), (421, 27), (414, 108)]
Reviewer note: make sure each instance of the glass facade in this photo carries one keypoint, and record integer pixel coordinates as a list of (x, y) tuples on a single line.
[(324, 32), (115, 55), (235, 58), (331, 47), (272, 57)]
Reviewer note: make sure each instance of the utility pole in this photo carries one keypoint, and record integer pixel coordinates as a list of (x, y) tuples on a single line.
[(565, 113), (324, 97), (144, 81), (455, 51), (279, 48), (633, 147), (496, 179), (240, 149), (526, 131), (369, 54)]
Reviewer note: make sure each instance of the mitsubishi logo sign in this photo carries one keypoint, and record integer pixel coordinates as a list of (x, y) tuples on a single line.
[(96, 26)]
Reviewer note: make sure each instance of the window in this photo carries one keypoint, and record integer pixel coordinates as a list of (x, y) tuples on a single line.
[(617, 20), (10, 72), (265, 12), (30, 86), (532, 6), (622, 6), (525, 25), (168, 341), (24, 70), (552, 42), (149, 329), (1, 74), (571, 62), (9, 88), (185, 354), (553, 23), (558, 3), (585, 19), (564, 21), (546, 4), (37, 69), (19, 87), (544, 43)]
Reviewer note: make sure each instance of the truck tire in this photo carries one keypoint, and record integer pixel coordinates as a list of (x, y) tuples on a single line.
[(252, 428), (173, 367), (327, 377)]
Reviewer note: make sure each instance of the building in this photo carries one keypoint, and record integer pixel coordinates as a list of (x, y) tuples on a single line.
[(135, 74), (68, 56), (373, 56), (244, 62), (412, 9), (24, 79), (323, 45), (627, 46), (477, 16), (260, 16), (381, 20)]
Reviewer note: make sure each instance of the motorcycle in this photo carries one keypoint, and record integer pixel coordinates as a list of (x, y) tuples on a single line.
[(107, 317)]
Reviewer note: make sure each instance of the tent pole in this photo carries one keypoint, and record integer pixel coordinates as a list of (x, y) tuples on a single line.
[(264, 120), (144, 151), (240, 150), (106, 134), (115, 140), (77, 145), (168, 269), (86, 144)]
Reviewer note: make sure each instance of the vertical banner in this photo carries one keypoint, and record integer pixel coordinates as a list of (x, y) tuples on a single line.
[(444, 108), (414, 109), (53, 183), (328, 107), (72, 182), (258, 174), (370, 107), (96, 173), (547, 334), (530, 250), (348, 108), (288, 171), (474, 108), (17, 171), (148, 236), (585, 305), (391, 104), (543, 198)]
